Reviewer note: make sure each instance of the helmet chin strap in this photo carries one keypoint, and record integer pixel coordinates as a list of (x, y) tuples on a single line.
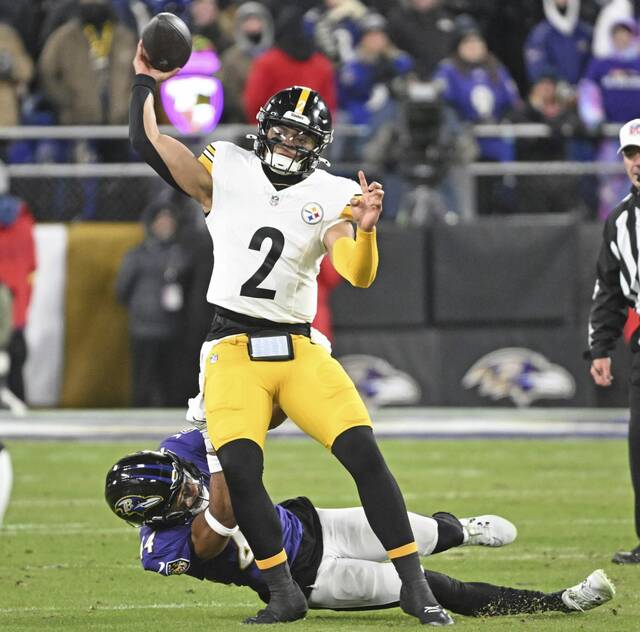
[(280, 163), (203, 501)]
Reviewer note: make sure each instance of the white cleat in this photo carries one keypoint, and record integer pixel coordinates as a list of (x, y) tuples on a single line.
[(591, 593), (488, 531)]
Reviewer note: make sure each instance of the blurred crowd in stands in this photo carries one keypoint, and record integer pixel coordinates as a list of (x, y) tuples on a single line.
[(416, 73)]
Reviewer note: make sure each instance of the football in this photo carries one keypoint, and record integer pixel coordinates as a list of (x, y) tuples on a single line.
[(167, 42)]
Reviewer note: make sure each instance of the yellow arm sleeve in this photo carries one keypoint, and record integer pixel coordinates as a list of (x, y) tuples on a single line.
[(356, 261)]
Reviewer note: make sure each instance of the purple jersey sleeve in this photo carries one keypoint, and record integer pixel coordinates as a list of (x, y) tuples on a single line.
[(166, 551), (189, 445)]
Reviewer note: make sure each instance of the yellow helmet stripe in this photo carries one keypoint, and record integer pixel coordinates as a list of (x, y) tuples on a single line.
[(302, 100)]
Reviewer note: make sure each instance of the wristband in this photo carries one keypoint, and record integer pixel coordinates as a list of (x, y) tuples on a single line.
[(146, 81), (218, 527), (214, 463)]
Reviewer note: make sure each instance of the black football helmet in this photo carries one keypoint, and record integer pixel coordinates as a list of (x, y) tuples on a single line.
[(143, 489), (302, 109)]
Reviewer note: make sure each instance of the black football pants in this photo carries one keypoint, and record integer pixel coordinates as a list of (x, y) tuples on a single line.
[(634, 435)]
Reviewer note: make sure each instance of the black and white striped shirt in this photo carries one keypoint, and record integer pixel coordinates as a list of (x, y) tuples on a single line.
[(618, 276)]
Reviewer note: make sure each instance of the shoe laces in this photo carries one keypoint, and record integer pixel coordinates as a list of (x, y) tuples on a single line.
[(482, 528), (585, 595)]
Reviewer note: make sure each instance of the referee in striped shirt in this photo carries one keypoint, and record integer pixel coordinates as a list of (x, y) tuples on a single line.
[(617, 288)]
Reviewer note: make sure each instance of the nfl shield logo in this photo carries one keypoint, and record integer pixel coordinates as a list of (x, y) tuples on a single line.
[(312, 213)]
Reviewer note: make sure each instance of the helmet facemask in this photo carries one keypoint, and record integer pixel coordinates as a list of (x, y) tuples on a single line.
[(291, 149), (156, 488), (305, 124)]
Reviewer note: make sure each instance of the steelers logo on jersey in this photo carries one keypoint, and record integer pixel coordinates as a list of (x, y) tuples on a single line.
[(312, 213)]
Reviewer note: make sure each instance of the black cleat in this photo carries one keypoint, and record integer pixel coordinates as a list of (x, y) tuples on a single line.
[(267, 617), (282, 608), (435, 615), (627, 557), (417, 600)]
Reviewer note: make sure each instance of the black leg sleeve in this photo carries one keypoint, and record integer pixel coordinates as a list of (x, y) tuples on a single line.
[(634, 436), (242, 462), (477, 599), (380, 495), (143, 85)]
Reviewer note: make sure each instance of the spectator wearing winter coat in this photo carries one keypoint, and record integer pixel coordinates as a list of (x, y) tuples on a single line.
[(478, 87), (611, 12), (292, 61), (17, 265), (548, 105), (253, 36), (610, 93), (610, 89), (335, 27), (365, 83), (560, 43), (85, 67), (16, 70), (205, 22), (151, 283), (425, 30)]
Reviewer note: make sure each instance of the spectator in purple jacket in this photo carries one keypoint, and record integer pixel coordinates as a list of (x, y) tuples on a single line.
[(478, 87), (365, 83), (367, 95), (610, 93), (560, 43), (610, 89)]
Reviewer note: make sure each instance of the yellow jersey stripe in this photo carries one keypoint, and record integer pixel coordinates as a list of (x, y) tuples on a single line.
[(205, 162), (302, 100), (206, 157)]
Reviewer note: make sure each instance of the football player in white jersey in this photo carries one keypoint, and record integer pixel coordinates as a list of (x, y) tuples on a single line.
[(273, 216)]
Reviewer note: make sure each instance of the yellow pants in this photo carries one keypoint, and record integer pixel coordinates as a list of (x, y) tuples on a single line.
[(312, 389)]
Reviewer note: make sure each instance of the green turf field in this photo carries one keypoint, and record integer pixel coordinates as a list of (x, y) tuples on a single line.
[(66, 563)]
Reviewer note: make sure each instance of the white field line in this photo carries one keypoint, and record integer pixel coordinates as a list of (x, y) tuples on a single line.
[(60, 531), (79, 503), (57, 567), (152, 606), (549, 556), (499, 494), (57, 502), (74, 529)]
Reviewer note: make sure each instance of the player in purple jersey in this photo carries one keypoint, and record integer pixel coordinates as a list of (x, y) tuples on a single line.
[(334, 555)]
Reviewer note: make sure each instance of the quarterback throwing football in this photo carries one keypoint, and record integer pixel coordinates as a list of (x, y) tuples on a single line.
[(272, 217)]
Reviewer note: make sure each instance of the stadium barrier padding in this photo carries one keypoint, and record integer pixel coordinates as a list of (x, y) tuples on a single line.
[(498, 270), (445, 297), (96, 349), (398, 297)]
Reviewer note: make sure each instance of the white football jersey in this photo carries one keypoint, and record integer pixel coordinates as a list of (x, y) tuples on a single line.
[(268, 244)]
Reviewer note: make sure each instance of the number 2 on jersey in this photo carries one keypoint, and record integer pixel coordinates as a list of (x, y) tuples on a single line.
[(251, 286)]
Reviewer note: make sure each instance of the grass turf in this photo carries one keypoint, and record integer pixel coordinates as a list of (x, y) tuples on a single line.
[(66, 563)]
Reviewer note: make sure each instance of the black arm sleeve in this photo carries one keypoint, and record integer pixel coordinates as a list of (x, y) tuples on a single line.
[(142, 85), (609, 307)]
